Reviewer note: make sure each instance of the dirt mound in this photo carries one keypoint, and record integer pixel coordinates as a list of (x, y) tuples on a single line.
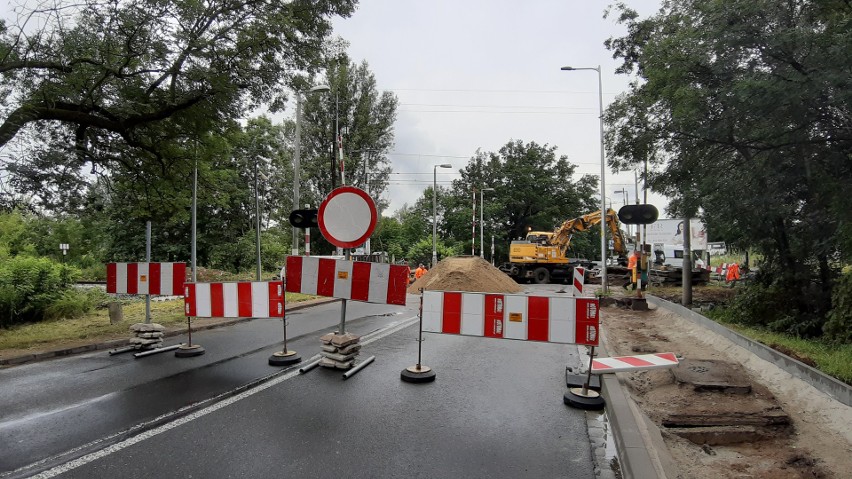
[(465, 273)]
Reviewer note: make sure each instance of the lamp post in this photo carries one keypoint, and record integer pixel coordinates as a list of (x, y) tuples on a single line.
[(435, 211), (297, 159), (481, 224), (604, 283)]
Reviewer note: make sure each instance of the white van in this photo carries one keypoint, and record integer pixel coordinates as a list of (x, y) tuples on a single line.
[(672, 255)]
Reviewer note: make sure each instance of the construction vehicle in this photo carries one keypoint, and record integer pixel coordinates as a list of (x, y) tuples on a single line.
[(667, 266), (541, 257)]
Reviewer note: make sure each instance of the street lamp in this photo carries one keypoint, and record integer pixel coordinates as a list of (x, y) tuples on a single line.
[(604, 285), (481, 224), (297, 159), (435, 211)]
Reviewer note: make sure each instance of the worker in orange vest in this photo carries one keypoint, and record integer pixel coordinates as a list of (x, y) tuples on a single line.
[(632, 265), (420, 271), (733, 274)]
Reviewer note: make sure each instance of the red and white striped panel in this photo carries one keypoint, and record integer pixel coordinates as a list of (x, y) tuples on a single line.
[(146, 278), (245, 299), (555, 319), (634, 363), (579, 280), (356, 280)]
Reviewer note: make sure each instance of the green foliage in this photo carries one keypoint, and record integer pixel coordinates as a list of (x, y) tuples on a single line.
[(28, 286), (365, 114), (768, 306), (839, 325), (421, 252), (74, 303), (744, 108)]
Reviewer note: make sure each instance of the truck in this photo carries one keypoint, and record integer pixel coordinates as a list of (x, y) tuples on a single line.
[(541, 256), (667, 265)]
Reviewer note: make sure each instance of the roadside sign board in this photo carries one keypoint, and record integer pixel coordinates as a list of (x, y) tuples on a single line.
[(347, 217)]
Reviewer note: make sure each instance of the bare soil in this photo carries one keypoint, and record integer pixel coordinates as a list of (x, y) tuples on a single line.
[(465, 273), (817, 442)]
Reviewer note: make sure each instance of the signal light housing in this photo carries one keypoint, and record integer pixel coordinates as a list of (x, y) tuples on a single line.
[(638, 214)]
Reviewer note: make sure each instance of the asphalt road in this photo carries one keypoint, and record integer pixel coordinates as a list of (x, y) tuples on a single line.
[(495, 411)]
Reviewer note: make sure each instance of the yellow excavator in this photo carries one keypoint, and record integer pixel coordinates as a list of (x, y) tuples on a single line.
[(541, 257)]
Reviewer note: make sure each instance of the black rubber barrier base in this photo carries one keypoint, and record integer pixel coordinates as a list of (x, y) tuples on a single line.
[(577, 380), (189, 351), (591, 401), (284, 359), (412, 374)]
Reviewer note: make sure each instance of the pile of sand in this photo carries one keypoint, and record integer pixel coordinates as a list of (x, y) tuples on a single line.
[(465, 273)]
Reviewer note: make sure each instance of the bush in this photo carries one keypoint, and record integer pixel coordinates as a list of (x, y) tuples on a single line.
[(73, 303), (839, 325), (29, 285), (771, 307)]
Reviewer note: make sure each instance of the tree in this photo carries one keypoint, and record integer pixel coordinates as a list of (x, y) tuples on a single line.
[(744, 106), (365, 118), (532, 189), (145, 75)]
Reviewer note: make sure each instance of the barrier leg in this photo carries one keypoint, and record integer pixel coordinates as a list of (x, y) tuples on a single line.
[(418, 373)]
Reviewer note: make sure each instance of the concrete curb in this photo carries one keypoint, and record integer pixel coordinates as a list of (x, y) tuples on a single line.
[(116, 343), (822, 382), (642, 454)]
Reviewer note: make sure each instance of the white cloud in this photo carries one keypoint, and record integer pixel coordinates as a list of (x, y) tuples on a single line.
[(476, 74)]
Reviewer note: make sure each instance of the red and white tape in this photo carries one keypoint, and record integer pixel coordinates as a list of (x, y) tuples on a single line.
[(255, 299), (356, 280), (555, 319), (146, 278), (634, 363)]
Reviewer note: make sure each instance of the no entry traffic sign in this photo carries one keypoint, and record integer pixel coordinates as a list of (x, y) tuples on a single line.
[(347, 217)]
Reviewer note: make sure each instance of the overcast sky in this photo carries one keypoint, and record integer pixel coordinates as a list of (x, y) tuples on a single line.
[(477, 73)]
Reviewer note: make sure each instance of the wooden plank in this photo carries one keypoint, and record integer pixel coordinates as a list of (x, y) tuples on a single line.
[(767, 418)]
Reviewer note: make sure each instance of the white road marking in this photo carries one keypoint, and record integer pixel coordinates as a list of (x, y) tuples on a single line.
[(81, 461)]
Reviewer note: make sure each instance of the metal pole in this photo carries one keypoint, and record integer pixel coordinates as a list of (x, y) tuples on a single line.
[(604, 283), (157, 351), (194, 218), (473, 226), (420, 334), (342, 327), (297, 158), (311, 365), (257, 213), (481, 232), (148, 260), (336, 133), (589, 375), (364, 364), (434, 215)]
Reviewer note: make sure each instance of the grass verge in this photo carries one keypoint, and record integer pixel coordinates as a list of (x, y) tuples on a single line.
[(832, 359), (95, 327)]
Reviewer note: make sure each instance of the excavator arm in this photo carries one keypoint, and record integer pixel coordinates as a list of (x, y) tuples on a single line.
[(562, 235)]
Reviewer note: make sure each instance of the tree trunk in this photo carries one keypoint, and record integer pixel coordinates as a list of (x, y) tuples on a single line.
[(116, 313)]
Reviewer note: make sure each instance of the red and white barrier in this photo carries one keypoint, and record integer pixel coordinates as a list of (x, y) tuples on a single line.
[(146, 278), (245, 299), (579, 280), (356, 280), (555, 319), (634, 363)]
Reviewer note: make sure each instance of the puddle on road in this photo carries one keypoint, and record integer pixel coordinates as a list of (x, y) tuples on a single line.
[(603, 444)]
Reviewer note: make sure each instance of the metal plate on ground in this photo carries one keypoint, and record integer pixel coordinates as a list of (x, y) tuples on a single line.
[(712, 375)]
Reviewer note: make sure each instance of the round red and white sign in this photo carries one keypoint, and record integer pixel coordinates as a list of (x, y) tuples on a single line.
[(347, 217)]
